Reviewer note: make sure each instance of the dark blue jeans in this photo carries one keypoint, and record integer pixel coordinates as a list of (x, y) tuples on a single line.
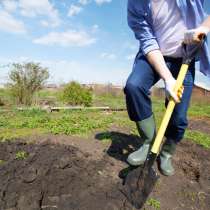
[(138, 101)]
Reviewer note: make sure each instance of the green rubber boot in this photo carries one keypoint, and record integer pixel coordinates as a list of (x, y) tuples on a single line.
[(147, 132), (166, 154)]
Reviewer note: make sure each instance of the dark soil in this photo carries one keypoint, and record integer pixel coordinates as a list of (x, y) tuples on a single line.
[(54, 177), (67, 173)]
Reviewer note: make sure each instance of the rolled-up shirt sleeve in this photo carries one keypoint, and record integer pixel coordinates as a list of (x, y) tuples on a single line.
[(141, 28)]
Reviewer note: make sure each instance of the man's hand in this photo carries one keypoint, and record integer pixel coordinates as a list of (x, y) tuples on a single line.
[(195, 35), (169, 89), (156, 59)]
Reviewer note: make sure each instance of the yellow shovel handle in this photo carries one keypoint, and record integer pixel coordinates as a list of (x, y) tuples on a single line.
[(159, 138)]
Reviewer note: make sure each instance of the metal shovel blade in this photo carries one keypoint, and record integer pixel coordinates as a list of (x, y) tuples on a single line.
[(139, 184)]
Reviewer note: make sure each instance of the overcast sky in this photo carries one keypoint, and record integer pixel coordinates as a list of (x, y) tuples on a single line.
[(84, 40)]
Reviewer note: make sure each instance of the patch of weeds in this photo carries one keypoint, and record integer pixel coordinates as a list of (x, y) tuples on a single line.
[(198, 137), (66, 122), (21, 155), (78, 123), (16, 124), (153, 203)]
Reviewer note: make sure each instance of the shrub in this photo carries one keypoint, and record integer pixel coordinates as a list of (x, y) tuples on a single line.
[(25, 80), (75, 94)]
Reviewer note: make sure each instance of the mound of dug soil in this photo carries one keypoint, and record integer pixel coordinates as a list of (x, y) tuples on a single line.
[(52, 176)]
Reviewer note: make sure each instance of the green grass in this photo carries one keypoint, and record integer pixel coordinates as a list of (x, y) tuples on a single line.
[(17, 124), (11, 134), (82, 123), (196, 109), (78, 123), (198, 137), (199, 110), (109, 100)]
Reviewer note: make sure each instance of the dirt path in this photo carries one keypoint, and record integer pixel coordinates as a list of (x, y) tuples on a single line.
[(67, 173)]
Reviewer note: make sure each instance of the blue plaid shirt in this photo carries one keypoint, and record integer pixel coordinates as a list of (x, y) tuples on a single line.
[(140, 21)]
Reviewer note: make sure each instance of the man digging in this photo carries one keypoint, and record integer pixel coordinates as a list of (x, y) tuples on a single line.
[(161, 26)]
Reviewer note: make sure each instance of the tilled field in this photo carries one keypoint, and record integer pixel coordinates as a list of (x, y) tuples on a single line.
[(66, 174)]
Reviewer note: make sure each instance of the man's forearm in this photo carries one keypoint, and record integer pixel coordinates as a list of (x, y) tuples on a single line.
[(156, 59)]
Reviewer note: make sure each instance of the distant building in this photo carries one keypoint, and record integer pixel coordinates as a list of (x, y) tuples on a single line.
[(198, 93), (105, 88), (51, 86)]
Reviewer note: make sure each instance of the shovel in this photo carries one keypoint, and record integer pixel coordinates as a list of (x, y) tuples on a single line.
[(139, 183)]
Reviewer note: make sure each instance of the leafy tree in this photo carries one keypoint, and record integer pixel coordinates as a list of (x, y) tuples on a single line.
[(25, 80), (75, 94)]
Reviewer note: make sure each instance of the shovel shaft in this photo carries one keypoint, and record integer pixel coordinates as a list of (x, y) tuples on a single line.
[(159, 138)]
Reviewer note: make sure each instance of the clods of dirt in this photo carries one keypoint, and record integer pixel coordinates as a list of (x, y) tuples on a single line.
[(61, 174), (54, 177)]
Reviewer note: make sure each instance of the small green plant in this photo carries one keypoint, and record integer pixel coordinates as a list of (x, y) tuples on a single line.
[(1, 162), (21, 155), (75, 94), (154, 203)]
